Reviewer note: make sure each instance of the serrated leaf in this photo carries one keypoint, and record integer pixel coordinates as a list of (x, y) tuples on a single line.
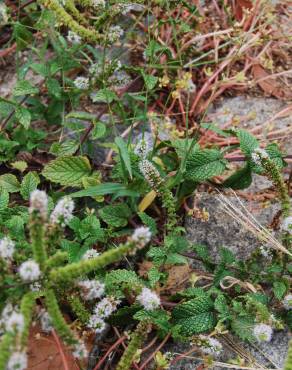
[(24, 87), (148, 221), (247, 142), (123, 150), (103, 96), (116, 281), (241, 179), (279, 289), (54, 88), (276, 155), (205, 164), (243, 327), (98, 131), (66, 148), (29, 183), (68, 170), (194, 316), (115, 215), (4, 199), (150, 81), (10, 183), (23, 116), (19, 165)]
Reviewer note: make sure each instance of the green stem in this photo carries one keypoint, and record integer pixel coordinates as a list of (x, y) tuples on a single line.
[(77, 269), (37, 236), (26, 308), (57, 318), (5, 349), (137, 340)]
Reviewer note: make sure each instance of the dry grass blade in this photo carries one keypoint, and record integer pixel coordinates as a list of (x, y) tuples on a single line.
[(243, 216)]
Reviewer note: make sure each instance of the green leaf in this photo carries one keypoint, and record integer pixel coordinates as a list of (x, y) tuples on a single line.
[(118, 280), (240, 179), (10, 183), (4, 199), (67, 170), (23, 116), (276, 155), (54, 88), (66, 148), (150, 81), (41, 69), (279, 289), (29, 183), (98, 131), (124, 154), (154, 276), (24, 87), (115, 215), (19, 165), (84, 116), (102, 189), (103, 96), (194, 316), (243, 327), (247, 142), (205, 164), (148, 221)]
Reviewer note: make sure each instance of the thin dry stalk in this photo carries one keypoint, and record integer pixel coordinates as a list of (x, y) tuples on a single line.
[(243, 216)]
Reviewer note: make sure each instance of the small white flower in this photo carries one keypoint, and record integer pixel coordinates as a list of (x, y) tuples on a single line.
[(91, 289), (36, 286), (29, 271), (98, 3), (17, 361), (3, 14), (63, 212), (115, 33), (6, 313), (80, 351), (210, 346), (82, 83), (141, 236), (74, 38), (263, 332), (144, 145), (287, 224), (15, 322), (46, 321), (287, 302), (148, 299), (89, 254), (7, 248), (106, 307), (258, 155), (39, 203), (266, 252), (96, 323), (151, 174), (120, 79)]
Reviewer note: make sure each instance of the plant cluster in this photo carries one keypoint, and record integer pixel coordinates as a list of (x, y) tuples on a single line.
[(95, 248)]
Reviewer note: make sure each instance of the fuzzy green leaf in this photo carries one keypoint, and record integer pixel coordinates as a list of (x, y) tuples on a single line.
[(24, 87), (118, 280), (243, 327), (279, 289), (10, 183), (194, 316), (247, 142), (4, 199), (148, 221), (205, 164), (23, 116), (240, 179), (116, 215), (67, 171), (29, 183)]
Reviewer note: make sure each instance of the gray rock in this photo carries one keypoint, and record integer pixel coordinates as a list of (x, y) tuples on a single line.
[(221, 230), (251, 113)]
